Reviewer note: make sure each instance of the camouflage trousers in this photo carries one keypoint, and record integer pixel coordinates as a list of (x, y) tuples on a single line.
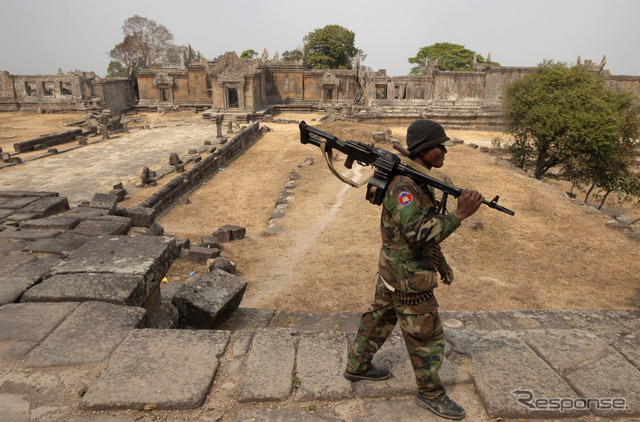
[(422, 333)]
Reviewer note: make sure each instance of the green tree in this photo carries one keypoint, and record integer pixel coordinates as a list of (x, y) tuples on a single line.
[(292, 55), (116, 70), (331, 47), (449, 56), (146, 39), (565, 116), (249, 54)]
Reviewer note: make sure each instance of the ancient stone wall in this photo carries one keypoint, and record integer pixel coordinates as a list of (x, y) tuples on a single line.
[(117, 93)]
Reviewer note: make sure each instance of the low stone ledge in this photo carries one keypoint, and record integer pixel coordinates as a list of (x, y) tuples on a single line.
[(119, 289), (209, 299)]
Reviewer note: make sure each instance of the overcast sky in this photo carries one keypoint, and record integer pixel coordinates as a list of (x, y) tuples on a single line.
[(41, 36)]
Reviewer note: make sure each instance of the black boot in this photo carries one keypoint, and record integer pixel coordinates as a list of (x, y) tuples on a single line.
[(445, 408), (374, 373)]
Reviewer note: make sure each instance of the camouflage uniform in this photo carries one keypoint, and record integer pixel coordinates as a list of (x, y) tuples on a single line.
[(409, 260)]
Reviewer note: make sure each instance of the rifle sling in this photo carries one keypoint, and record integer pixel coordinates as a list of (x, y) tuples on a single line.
[(329, 159)]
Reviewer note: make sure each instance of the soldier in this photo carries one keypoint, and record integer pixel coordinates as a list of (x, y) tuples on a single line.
[(410, 259)]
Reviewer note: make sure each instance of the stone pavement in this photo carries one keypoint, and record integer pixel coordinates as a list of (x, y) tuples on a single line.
[(80, 172)]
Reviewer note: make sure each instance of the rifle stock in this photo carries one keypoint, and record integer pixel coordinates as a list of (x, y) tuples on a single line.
[(386, 165)]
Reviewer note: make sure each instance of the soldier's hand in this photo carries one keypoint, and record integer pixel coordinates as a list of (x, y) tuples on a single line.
[(446, 273), (468, 203)]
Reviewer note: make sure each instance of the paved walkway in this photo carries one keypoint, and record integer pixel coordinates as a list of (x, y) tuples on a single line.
[(79, 173)]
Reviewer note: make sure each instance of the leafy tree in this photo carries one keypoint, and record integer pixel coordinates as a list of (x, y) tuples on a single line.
[(449, 56), (249, 54), (292, 55), (568, 117), (331, 47), (146, 39), (116, 70)]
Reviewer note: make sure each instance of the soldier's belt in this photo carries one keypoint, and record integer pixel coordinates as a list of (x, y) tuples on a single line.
[(413, 298)]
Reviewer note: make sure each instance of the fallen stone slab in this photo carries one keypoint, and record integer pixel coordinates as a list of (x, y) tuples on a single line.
[(229, 232), (48, 206), (28, 235), (171, 369), (269, 369), (85, 213), (13, 283), (25, 325), (56, 222), (148, 256), (201, 254), (119, 289), (320, 362), (509, 375), (102, 227), (87, 336), (104, 201), (141, 216), (18, 202), (60, 247), (209, 299)]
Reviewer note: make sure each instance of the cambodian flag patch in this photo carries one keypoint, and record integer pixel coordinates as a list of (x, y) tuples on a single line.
[(405, 199)]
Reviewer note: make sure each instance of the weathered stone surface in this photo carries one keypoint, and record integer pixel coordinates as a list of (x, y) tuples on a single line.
[(48, 206), (119, 289), (28, 235), (61, 247), (148, 256), (497, 365), (280, 415), (210, 242), (87, 336), (466, 320), (270, 365), (14, 408), (209, 299), (104, 201), (249, 319), (26, 324), (301, 321), (57, 222), (528, 319), (230, 232), (102, 227), (16, 280), (84, 213), (320, 362), (201, 254), (220, 263), (629, 346), (595, 369), (172, 369)]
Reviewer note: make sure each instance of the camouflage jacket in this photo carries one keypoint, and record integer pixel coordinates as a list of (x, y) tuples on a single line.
[(411, 233)]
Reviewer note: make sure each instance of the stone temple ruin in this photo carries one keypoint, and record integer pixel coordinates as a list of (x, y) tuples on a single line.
[(247, 90)]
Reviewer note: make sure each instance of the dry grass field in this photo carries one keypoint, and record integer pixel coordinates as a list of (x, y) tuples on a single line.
[(551, 255)]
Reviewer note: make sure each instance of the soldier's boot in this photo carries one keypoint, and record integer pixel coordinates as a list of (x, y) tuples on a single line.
[(445, 408), (374, 373)]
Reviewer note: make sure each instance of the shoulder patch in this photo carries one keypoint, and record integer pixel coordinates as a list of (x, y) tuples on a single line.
[(405, 199)]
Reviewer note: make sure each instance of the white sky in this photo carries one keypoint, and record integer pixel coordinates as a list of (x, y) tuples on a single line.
[(41, 36)]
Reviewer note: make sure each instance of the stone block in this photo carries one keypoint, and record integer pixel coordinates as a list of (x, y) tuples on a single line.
[(209, 299), (320, 362), (48, 206), (104, 201), (221, 263), (60, 247), (269, 367), (27, 324), (58, 222), (103, 227), (88, 336), (200, 254), (172, 369), (28, 235), (229, 232), (499, 373), (249, 319), (141, 216), (119, 289), (148, 256), (210, 241)]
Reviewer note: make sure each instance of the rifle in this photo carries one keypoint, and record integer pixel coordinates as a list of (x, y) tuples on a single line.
[(385, 165)]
